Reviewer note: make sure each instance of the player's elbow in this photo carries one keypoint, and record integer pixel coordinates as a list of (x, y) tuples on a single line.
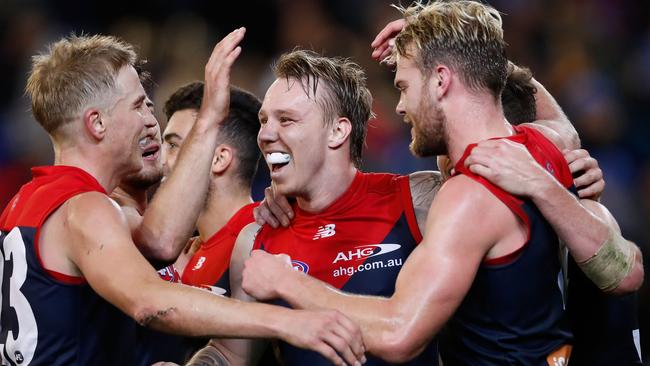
[(400, 346), (158, 248)]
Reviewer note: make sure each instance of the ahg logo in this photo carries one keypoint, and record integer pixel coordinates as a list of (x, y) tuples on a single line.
[(366, 251)]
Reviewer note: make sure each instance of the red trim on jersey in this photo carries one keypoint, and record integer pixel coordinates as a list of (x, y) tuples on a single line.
[(63, 182), (409, 211), (545, 153)]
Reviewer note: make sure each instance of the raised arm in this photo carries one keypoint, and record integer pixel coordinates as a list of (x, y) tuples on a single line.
[(169, 221), (430, 286), (590, 232)]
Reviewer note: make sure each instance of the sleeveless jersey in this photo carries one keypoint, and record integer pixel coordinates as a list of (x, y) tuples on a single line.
[(208, 267), (49, 318), (358, 244), (606, 327), (513, 313)]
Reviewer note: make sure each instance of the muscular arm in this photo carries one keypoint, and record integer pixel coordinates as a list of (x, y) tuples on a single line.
[(99, 242), (584, 225), (430, 286)]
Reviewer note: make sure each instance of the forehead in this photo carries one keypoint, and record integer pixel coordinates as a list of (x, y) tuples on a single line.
[(287, 94), (181, 122), (405, 67), (128, 82)]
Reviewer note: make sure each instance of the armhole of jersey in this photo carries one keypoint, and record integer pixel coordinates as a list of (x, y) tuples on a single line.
[(257, 243), (409, 211), (513, 204), (57, 276)]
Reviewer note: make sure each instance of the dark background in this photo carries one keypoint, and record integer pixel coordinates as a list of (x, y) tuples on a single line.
[(593, 56)]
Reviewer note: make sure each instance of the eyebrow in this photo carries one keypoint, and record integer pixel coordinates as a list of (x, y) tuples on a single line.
[(140, 99), (170, 136)]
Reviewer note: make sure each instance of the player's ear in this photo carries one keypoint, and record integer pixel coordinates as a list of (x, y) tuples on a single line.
[(222, 159), (440, 80), (339, 132), (94, 123)]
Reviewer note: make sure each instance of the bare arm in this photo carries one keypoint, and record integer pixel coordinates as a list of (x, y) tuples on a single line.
[(584, 225), (430, 286), (169, 221), (99, 241), (549, 114)]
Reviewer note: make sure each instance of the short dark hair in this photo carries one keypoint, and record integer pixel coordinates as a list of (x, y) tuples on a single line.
[(518, 96), (345, 93), (239, 130)]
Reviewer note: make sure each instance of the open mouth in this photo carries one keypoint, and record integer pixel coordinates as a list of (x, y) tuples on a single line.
[(277, 160), (149, 148)]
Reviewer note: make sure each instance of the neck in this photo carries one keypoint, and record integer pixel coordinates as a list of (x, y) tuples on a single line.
[(223, 202), (131, 197), (93, 161), (474, 119), (327, 186)]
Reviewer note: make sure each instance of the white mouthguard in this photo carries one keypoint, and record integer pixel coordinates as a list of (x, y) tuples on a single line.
[(278, 158)]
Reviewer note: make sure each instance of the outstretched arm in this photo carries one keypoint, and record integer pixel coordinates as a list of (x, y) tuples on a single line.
[(588, 229), (429, 288)]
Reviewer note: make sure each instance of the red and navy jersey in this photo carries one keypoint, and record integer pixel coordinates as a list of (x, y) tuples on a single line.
[(208, 267), (358, 244), (513, 313), (49, 318), (605, 327)]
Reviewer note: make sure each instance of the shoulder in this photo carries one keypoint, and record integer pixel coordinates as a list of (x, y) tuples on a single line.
[(92, 210)]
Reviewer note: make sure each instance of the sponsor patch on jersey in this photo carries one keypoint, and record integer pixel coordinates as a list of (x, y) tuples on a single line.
[(365, 251), (213, 289), (199, 263), (300, 266)]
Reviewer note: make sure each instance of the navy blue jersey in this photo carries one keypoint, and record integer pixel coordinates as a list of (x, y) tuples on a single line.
[(50, 318), (606, 327), (358, 244), (513, 313)]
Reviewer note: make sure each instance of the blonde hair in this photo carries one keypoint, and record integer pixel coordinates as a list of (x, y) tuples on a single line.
[(344, 92), (74, 72), (465, 35)]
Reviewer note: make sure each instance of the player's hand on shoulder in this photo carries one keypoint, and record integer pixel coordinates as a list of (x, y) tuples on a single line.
[(274, 210), (263, 273), (384, 42), (329, 333), (588, 177), (508, 165)]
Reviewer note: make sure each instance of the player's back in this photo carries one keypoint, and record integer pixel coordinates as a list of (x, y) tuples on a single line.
[(514, 311), (358, 244), (49, 318)]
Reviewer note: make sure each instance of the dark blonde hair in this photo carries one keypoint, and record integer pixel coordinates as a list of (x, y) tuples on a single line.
[(344, 92), (465, 35), (75, 72)]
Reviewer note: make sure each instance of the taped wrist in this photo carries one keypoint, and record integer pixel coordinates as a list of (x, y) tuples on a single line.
[(611, 263)]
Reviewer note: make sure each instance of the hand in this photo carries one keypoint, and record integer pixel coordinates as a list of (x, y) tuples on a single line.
[(274, 210), (509, 166), (327, 332), (384, 42), (216, 92), (263, 272), (588, 177)]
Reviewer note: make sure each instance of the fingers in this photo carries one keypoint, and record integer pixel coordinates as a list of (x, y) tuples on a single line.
[(593, 191), (356, 344), (278, 209), (226, 46), (384, 41), (344, 338), (573, 155), (263, 214)]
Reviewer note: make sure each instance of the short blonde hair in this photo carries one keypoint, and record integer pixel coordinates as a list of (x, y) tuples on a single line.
[(74, 72), (465, 35), (344, 93)]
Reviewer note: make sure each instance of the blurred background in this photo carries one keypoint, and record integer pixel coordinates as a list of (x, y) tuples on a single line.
[(593, 56)]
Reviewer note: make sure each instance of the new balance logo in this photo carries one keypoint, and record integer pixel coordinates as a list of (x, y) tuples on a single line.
[(199, 263), (325, 231)]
